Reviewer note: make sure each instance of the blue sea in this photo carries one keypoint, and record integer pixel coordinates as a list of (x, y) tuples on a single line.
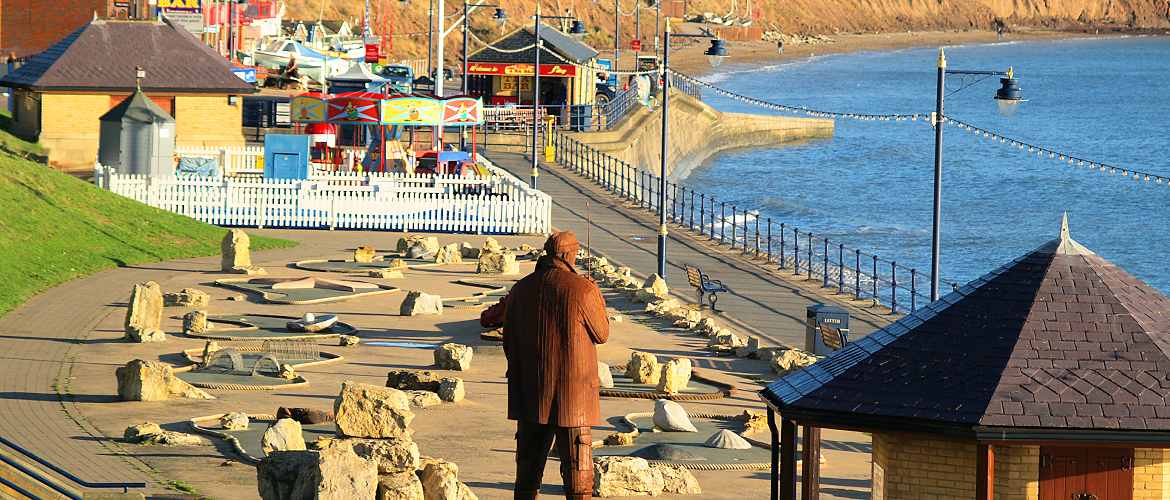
[(870, 186)]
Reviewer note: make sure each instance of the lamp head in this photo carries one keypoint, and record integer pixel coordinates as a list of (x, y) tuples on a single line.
[(1008, 97), (500, 17), (716, 53), (578, 28)]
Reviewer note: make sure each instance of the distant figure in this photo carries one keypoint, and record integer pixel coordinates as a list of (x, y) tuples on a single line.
[(780, 46), (554, 318), (291, 72)]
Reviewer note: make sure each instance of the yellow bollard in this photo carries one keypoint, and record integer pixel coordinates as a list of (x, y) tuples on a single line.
[(550, 153)]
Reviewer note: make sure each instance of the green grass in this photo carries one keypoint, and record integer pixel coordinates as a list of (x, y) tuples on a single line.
[(55, 227), (13, 143)]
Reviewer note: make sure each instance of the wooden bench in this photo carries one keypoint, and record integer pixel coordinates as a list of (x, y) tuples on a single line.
[(705, 286)]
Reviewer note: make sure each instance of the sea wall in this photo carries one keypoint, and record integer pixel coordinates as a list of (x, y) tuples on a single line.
[(698, 132)]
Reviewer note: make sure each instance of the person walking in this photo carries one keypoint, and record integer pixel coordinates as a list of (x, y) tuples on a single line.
[(554, 320)]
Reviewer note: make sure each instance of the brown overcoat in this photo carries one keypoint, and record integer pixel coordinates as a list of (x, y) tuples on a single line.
[(554, 319)]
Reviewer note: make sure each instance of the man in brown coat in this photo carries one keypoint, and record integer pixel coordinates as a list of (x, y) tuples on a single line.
[(554, 320)]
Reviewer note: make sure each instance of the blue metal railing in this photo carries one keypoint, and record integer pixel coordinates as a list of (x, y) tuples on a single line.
[(612, 113), (849, 270), (51, 482)]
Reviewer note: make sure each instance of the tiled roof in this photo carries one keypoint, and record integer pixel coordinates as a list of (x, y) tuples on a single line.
[(102, 55), (569, 48), (1059, 338)]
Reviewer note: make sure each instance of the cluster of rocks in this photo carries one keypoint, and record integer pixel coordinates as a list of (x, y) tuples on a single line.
[(365, 254), (418, 247), (187, 297), (671, 377), (142, 380), (494, 259), (236, 254), (427, 388), (619, 476), (794, 38), (372, 456), (152, 433)]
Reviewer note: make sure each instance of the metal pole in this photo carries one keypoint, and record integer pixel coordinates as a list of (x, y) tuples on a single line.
[(617, 32), (662, 166), (535, 94), (439, 52), (431, 37), (938, 137), (466, 14), (638, 29), (657, 20)]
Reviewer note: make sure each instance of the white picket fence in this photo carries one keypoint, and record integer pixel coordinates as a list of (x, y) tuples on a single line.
[(233, 160), (391, 202)]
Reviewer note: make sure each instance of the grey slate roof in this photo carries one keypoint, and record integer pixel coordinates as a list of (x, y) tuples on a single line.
[(101, 56), (568, 47), (1059, 338)]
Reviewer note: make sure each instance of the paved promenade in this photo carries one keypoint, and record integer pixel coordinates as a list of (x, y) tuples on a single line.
[(769, 304)]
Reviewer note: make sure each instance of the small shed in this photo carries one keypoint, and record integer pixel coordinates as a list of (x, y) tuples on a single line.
[(137, 137), (1047, 378), (503, 73)]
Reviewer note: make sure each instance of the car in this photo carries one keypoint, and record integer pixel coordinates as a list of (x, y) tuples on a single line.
[(605, 93), (401, 77)]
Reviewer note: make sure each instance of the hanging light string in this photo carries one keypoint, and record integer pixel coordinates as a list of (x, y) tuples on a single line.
[(1071, 160), (801, 109)]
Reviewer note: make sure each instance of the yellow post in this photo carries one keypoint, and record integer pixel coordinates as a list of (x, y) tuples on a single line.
[(550, 153)]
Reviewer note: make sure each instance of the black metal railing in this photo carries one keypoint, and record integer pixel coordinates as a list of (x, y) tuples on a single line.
[(613, 112), (52, 483), (849, 270)]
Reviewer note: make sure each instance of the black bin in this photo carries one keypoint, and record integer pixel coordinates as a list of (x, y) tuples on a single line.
[(826, 329)]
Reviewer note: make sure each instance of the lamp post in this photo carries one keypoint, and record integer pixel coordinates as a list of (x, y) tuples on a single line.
[(715, 55), (578, 29), (1008, 97), (501, 17)]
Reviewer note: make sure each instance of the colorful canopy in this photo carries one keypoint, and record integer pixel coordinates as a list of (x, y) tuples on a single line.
[(371, 108)]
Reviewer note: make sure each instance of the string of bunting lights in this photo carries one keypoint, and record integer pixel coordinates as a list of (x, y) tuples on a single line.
[(1043, 152), (801, 109)]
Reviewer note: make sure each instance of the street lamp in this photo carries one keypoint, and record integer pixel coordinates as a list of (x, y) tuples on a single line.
[(715, 55), (500, 17), (578, 29), (1008, 98)]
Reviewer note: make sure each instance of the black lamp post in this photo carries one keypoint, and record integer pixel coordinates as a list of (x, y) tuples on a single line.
[(500, 17), (715, 55), (578, 29), (1008, 98)]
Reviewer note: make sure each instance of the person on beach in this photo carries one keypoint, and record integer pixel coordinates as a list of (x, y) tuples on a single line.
[(553, 321)]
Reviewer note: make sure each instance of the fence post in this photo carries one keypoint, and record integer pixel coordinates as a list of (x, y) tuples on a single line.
[(733, 226), (692, 224), (769, 253), (795, 250), (875, 278), (825, 269), (757, 245), (857, 274), (702, 212), (810, 255), (840, 268), (722, 220), (783, 261), (893, 287), (913, 289)]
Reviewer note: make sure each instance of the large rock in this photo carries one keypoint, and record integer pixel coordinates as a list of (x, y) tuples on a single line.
[(726, 340), (653, 289), (671, 417), (422, 248), (139, 432), (604, 376), (753, 421), (676, 375), (643, 368), (791, 359), (144, 313), (284, 435), (364, 410), (451, 356), (725, 439), (151, 433), (749, 350), (386, 274), (452, 390), (423, 399), (410, 380), (449, 254), (632, 476), (503, 263), (364, 254), (468, 251), (417, 303), (391, 456), (403, 486), (330, 474), (490, 245), (236, 254), (187, 297), (195, 322), (707, 326), (142, 380), (234, 421), (440, 480)]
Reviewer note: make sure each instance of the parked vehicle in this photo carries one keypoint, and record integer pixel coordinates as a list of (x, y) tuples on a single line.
[(401, 77)]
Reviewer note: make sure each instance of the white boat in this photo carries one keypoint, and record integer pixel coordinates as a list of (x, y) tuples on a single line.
[(277, 53)]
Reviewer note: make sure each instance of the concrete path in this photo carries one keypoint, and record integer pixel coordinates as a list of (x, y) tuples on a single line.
[(765, 302)]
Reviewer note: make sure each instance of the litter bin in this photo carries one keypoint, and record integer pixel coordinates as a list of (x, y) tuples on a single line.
[(581, 117), (826, 329)]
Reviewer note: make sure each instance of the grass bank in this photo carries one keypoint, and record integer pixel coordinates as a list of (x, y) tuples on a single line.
[(55, 227)]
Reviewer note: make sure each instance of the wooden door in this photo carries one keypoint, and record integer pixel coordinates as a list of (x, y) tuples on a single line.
[(1077, 473)]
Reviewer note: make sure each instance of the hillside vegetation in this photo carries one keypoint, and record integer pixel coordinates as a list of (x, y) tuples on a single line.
[(803, 17), (55, 227)]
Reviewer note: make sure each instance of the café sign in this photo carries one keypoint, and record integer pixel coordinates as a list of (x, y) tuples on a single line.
[(507, 69)]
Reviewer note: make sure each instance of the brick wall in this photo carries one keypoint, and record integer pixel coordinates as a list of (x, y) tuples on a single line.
[(208, 121), (1151, 474), (1017, 472), (70, 128), (30, 26)]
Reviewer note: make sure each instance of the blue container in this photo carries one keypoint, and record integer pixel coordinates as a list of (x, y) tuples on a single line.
[(286, 156)]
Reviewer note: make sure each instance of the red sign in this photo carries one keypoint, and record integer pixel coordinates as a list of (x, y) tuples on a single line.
[(635, 44), (373, 52), (505, 69)]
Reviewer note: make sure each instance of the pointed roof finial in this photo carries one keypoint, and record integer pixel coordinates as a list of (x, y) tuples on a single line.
[(1065, 245), (1064, 228)]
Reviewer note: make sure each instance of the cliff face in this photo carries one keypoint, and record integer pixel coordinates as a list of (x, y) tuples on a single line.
[(408, 21)]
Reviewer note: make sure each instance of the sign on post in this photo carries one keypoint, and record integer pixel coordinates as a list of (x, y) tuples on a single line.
[(635, 45)]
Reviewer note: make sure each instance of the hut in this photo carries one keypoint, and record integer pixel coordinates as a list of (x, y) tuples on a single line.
[(503, 74), (138, 137), (1044, 379)]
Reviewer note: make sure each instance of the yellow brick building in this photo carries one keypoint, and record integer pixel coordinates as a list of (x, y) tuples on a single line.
[(59, 94), (1046, 379)]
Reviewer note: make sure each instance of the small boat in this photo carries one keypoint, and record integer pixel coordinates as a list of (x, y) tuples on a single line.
[(277, 53)]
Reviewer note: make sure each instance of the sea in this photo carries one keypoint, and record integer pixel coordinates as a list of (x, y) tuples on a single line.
[(871, 185)]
